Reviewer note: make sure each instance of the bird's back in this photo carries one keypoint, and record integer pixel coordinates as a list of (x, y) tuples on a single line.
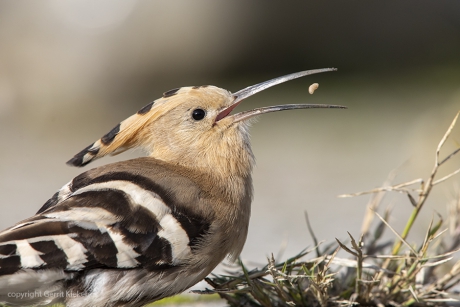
[(128, 232)]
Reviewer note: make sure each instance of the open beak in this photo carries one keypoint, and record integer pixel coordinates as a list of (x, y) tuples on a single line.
[(251, 90)]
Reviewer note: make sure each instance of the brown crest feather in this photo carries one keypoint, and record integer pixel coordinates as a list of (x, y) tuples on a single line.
[(128, 134)]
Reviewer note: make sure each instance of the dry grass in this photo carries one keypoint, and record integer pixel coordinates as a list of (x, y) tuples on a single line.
[(375, 274)]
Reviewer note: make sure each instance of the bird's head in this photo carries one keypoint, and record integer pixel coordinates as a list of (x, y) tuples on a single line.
[(193, 127)]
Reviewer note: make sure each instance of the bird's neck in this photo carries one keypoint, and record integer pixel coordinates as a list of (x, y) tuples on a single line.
[(229, 171), (226, 158)]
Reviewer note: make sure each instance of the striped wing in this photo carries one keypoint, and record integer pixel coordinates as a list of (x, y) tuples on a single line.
[(110, 219)]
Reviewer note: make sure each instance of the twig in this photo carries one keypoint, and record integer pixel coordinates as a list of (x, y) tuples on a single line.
[(374, 203), (426, 189), (312, 234), (397, 234), (396, 188), (447, 176)]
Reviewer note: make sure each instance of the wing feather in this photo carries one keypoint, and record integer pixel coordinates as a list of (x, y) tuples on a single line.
[(115, 220)]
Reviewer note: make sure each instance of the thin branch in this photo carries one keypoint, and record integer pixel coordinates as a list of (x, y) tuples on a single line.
[(374, 203), (449, 156), (446, 177), (426, 188), (396, 188), (345, 248), (312, 234), (444, 138), (430, 264), (397, 234)]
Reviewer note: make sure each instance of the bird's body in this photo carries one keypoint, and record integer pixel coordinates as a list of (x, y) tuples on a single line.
[(124, 229), (132, 232)]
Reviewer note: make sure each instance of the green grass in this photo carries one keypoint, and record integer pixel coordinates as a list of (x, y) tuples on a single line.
[(186, 300)]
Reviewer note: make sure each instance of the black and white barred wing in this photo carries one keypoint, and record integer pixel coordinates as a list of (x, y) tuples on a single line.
[(120, 220)]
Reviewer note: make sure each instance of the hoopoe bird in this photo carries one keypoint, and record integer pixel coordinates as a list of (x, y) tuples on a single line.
[(136, 231)]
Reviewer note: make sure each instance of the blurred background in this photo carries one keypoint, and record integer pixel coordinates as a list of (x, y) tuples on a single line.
[(71, 70)]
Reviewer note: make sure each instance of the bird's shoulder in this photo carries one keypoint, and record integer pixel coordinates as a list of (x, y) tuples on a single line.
[(176, 185), (130, 214)]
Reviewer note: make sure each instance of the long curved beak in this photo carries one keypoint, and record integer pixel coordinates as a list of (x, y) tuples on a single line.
[(254, 89)]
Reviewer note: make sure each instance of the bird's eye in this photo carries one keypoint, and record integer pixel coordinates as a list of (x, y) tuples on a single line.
[(198, 114)]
